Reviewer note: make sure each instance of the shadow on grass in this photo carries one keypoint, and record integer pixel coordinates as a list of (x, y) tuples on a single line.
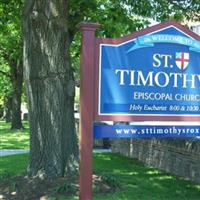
[(14, 139), (7, 125), (137, 182), (142, 183), (5, 131)]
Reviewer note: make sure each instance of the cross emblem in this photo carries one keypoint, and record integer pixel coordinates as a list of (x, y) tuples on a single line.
[(182, 60)]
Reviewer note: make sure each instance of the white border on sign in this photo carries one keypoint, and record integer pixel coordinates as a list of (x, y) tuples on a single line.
[(132, 114)]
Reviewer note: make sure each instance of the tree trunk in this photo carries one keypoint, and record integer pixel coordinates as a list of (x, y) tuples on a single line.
[(17, 80), (8, 109), (50, 88)]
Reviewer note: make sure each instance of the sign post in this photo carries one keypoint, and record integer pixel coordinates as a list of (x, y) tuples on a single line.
[(87, 108)]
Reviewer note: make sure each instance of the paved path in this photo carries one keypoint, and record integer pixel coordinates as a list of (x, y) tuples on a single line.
[(102, 150), (6, 152)]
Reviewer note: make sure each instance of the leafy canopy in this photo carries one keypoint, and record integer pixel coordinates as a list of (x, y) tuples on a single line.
[(121, 17), (10, 44)]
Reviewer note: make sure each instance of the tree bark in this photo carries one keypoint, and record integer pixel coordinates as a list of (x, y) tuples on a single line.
[(8, 109), (50, 88), (17, 81)]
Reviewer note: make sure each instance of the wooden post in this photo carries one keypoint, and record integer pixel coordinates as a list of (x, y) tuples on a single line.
[(87, 108)]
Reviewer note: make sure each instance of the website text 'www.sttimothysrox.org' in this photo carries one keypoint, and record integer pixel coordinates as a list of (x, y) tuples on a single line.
[(159, 130)]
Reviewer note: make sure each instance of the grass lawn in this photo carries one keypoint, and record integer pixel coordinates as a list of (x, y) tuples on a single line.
[(143, 183), (12, 139), (13, 165), (137, 181)]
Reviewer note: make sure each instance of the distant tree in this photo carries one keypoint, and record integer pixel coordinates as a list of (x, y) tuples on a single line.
[(11, 56), (5, 92)]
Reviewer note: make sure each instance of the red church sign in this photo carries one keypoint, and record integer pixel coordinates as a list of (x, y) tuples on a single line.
[(150, 75)]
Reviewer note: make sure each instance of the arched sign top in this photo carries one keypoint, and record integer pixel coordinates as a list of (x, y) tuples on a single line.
[(153, 74), (150, 30)]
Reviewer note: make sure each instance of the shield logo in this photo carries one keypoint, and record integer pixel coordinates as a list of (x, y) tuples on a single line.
[(182, 60)]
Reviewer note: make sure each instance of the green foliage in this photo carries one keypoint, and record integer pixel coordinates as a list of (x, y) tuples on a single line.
[(105, 184), (67, 188), (10, 45), (161, 10), (75, 54), (114, 17), (11, 35), (5, 86), (111, 180), (121, 17), (14, 139)]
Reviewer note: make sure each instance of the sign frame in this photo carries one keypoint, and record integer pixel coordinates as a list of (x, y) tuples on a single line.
[(89, 87), (118, 41)]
